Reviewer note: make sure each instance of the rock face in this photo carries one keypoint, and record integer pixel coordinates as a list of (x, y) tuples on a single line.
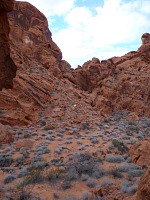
[(119, 83), (140, 153), (144, 187), (7, 66), (30, 36), (38, 61), (116, 84)]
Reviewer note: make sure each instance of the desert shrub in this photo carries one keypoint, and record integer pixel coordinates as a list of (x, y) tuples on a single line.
[(120, 146), (125, 167), (132, 123), (83, 164), (38, 165), (115, 173), (1, 187), (129, 159), (19, 161), (85, 196), (27, 135), (25, 195), (133, 128), (91, 182), (95, 197), (5, 160), (135, 173), (111, 146), (85, 126), (23, 172), (132, 141), (72, 175), (127, 187), (68, 142), (132, 189), (81, 148), (66, 185), (137, 180), (106, 182), (55, 173), (84, 177), (35, 175), (9, 178), (98, 173), (48, 127), (114, 159), (70, 197)]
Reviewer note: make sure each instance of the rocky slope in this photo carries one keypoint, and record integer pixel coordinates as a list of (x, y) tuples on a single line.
[(7, 66), (37, 59), (119, 83), (77, 124), (116, 84)]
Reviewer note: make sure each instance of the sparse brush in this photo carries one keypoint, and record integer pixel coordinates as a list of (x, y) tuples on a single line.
[(9, 178), (66, 185), (114, 159), (91, 182), (55, 173), (120, 146), (34, 176), (115, 173)]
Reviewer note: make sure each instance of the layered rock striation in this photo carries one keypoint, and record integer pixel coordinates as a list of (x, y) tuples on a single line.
[(119, 83), (38, 60), (7, 66), (116, 84)]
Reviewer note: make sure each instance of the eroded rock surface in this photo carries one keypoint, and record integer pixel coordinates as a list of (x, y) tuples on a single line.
[(7, 66), (140, 153), (119, 83), (144, 187), (116, 84), (38, 61)]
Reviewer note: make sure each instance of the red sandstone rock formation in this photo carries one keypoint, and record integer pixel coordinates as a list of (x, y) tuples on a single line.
[(38, 61), (144, 187), (140, 153), (7, 66), (119, 83), (30, 36)]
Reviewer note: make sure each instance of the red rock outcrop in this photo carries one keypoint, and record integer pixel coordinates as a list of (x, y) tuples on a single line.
[(6, 135), (38, 61), (119, 83), (140, 153), (7, 66), (30, 36), (144, 187)]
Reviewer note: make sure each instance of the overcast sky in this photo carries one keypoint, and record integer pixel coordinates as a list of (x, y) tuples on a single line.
[(95, 28)]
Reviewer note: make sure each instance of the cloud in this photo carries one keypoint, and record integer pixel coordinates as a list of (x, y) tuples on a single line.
[(53, 7), (111, 28), (100, 33)]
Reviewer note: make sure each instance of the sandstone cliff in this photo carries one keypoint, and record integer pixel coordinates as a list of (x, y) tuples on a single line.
[(37, 59), (116, 84), (119, 83), (7, 66)]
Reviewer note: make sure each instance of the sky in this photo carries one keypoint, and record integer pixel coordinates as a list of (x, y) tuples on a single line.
[(95, 28)]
